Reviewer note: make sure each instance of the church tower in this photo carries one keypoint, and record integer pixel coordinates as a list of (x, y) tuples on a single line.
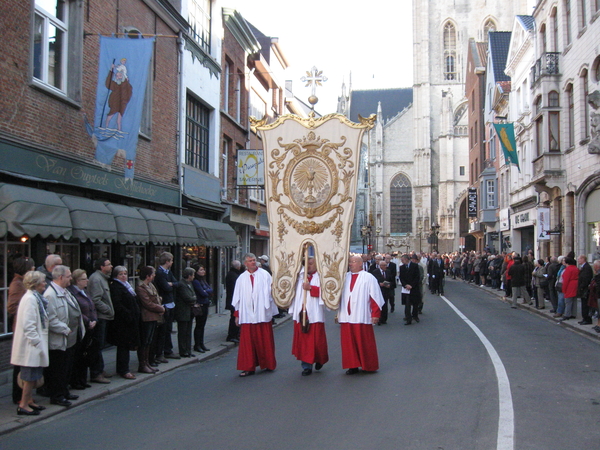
[(441, 32)]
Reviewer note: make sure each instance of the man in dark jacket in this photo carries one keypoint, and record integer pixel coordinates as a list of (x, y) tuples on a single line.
[(585, 278), (410, 280), (384, 278), (435, 269), (233, 332), (166, 285), (517, 276)]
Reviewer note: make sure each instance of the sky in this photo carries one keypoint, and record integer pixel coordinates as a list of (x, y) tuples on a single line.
[(339, 37)]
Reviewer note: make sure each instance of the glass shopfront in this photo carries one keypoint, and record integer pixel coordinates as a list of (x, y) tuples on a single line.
[(10, 249)]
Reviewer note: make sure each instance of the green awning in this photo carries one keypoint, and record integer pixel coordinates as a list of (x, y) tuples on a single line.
[(91, 219), (33, 212), (215, 234), (131, 225), (160, 228), (186, 231)]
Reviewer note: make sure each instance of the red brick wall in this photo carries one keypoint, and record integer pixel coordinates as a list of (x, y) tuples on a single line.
[(41, 119), (232, 129)]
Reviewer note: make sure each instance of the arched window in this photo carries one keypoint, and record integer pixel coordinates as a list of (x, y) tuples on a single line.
[(585, 122), (489, 26), (449, 52), (400, 205), (554, 122)]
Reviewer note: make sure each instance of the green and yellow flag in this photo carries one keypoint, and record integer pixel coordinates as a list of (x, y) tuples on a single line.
[(506, 134)]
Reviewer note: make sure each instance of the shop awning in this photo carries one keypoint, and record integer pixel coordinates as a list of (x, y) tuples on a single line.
[(216, 234), (131, 225), (186, 231), (160, 228), (32, 212), (91, 219)]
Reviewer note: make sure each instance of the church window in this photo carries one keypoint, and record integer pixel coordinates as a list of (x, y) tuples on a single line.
[(489, 26), (449, 52), (401, 205)]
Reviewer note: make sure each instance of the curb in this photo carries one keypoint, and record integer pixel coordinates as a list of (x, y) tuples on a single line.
[(102, 391)]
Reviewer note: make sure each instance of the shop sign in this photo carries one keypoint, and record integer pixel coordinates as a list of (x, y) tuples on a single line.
[(472, 202), (250, 168), (36, 163), (504, 220), (524, 218), (543, 224)]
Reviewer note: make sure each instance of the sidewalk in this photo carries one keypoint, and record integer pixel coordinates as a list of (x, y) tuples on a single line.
[(573, 325), (214, 337)]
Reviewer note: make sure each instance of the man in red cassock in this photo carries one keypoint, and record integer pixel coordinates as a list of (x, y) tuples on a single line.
[(309, 347), (254, 311), (360, 308)]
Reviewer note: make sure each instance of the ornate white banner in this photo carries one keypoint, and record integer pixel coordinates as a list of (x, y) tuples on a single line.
[(310, 188)]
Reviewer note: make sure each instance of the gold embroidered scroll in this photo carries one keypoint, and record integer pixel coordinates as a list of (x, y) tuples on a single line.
[(311, 170)]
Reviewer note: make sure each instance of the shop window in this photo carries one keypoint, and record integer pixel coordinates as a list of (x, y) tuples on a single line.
[(135, 259), (69, 253), (9, 251)]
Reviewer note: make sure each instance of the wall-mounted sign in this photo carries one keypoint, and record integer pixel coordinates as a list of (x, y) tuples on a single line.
[(472, 202), (504, 220), (524, 218), (250, 168), (543, 224)]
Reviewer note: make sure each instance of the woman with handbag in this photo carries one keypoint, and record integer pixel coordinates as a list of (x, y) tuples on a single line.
[(88, 345), (558, 286), (151, 313), (540, 283), (203, 293), (185, 299), (570, 278), (30, 341)]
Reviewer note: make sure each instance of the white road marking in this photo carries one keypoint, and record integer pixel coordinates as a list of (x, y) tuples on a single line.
[(506, 419)]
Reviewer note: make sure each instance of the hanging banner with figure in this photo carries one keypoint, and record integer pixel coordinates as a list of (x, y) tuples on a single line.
[(311, 168), (122, 77)]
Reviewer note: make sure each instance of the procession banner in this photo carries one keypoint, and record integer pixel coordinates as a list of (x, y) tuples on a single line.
[(122, 77), (311, 169)]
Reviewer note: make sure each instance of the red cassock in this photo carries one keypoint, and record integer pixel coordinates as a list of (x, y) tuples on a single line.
[(310, 347), (257, 347)]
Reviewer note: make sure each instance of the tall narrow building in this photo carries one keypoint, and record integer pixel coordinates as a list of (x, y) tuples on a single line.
[(441, 32)]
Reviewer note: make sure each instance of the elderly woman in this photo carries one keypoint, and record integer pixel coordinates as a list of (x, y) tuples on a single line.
[(16, 290), (152, 311), (64, 333), (184, 301), (540, 278), (569, 288), (124, 330), (30, 340), (203, 293), (88, 345)]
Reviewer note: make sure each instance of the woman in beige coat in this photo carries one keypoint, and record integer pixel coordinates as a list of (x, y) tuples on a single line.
[(30, 340)]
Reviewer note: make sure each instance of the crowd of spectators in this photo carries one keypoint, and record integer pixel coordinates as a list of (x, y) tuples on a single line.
[(62, 321)]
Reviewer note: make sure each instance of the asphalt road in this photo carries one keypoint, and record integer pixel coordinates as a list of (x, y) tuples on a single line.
[(439, 387)]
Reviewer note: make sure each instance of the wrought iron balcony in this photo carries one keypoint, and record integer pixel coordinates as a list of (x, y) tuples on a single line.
[(546, 65)]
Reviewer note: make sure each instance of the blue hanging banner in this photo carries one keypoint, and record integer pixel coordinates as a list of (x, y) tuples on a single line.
[(122, 77)]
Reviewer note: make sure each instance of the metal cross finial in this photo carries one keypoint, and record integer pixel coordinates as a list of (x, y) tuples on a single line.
[(314, 78)]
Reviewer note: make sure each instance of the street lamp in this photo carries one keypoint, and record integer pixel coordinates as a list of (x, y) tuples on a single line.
[(434, 236)]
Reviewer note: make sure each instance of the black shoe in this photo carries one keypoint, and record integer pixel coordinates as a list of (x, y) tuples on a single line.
[(235, 340), (37, 407), (78, 387), (416, 319), (306, 372), (585, 322), (172, 356), (191, 355), (61, 402), (352, 371), (318, 366), (71, 397), (24, 412), (203, 347), (392, 310), (408, 322), (198, 349)]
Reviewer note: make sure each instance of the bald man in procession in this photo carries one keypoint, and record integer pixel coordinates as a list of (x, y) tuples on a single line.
[(360, 309)]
